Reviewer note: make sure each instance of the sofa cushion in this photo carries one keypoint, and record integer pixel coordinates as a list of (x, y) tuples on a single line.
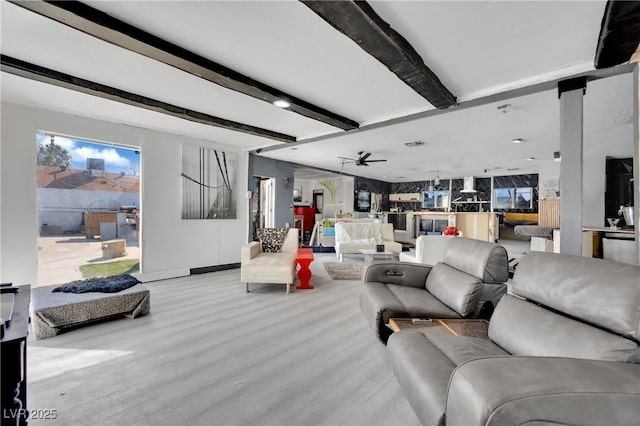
[(484, 260), (523, 328), (272, 238), (347, 231), (354, 246), (418, 303), (461, 349), (269, 268), (456, 289), (583, 288), (423, 372)]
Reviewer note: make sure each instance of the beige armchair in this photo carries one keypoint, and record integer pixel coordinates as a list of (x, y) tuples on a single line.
[(257, 266)]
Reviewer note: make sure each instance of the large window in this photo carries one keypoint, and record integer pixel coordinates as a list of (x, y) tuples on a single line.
[(435, 199), (512, 198)]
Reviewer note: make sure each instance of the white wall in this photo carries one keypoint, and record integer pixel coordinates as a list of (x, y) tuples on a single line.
[(594, 180), (170, 246), (65, 207)]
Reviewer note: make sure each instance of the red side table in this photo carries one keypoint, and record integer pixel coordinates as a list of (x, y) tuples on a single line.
[(304, 257)]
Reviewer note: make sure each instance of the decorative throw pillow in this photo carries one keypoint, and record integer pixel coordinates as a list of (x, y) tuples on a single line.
[(272, 239)]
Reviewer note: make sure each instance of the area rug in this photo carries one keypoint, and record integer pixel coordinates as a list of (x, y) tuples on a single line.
[(344, 270)]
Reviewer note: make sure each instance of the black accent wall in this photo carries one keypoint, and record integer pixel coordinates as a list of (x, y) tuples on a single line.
[(516, 181), (377, 186)]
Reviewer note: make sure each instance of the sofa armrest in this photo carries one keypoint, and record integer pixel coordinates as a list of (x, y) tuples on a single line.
[(526, 390), (392, 246), (249, 251), (407, 274)]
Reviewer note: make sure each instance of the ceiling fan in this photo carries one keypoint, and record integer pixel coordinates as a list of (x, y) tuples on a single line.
[(362, 159)]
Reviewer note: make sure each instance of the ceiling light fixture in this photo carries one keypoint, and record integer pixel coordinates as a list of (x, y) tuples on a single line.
[(531, 158), (415, 143), (517, 140), (282, 103)]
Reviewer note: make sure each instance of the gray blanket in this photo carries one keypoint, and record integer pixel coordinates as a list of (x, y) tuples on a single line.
[(102, 285)]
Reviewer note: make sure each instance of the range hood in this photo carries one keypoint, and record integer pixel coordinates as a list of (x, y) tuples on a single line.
[(469, 185)]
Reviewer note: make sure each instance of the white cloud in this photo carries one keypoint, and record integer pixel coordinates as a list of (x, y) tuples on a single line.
[(112, 159), (79, 152)]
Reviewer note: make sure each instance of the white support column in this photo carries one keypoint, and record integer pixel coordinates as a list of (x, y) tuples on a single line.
[(571, 129)]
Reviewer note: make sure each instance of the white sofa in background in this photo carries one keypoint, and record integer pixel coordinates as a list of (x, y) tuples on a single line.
[(351, 237), (257, 266), (429, 250)]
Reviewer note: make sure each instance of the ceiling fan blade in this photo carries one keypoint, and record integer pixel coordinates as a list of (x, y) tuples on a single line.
[(365, 156), (375, 161), (345, 158)]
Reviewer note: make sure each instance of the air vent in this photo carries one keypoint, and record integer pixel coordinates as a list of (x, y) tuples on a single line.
[(416, 143)]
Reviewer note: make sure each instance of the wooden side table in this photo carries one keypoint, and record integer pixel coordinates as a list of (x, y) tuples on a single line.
[(304, 257), (457, 327)]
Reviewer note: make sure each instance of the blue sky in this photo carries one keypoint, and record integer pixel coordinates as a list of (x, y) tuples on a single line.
[(116, 159)]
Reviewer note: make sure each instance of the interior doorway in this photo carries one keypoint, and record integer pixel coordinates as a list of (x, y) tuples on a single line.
[(262, 204), (88, 194)]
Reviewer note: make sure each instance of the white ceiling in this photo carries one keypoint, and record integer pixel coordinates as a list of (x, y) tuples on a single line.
[(476, 48)]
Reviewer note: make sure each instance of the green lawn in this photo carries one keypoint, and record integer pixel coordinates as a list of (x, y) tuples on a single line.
[(108, 269)]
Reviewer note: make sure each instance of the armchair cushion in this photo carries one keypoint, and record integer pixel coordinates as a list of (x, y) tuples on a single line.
[(457, 290), (544, 391), (272, 239), (524, 328), (602, 292), (487, 261)]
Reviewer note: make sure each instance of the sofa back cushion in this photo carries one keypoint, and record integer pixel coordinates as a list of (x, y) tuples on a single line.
[(272, 239), (524, 328), (456, 289), (386, 231), (482, 259), (358, 231), (600, 292)]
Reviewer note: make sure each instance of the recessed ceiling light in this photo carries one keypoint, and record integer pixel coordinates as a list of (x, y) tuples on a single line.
[(517, 140), (282, 103), (531, 158)]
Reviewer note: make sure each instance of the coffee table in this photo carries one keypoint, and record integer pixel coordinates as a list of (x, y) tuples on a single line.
[(371, 254), (304, 257), (457, 327)]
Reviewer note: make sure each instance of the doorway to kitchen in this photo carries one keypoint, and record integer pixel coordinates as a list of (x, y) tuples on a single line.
[(88, 209), (262, 203)]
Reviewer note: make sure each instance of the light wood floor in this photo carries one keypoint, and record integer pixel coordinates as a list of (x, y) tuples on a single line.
[(211, 354)]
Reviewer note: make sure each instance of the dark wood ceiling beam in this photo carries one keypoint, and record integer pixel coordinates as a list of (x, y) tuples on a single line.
[(46, 75), (358, 21), (105, 27), (619, 33)]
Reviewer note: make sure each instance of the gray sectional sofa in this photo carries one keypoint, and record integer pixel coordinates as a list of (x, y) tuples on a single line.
[(468, 282), (562, 350)]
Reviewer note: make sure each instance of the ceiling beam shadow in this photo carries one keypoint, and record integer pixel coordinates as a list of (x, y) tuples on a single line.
[(46, 75), (619, 33), (359, 22), (98, 24)]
